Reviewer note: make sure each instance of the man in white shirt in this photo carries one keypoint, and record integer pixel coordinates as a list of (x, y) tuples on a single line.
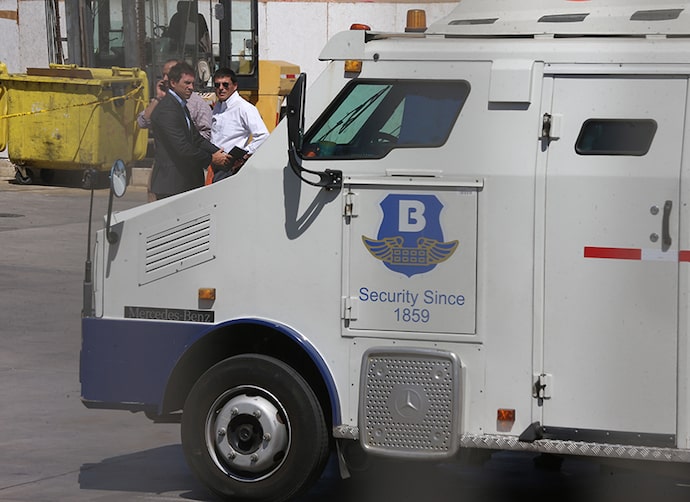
[(235, 121)]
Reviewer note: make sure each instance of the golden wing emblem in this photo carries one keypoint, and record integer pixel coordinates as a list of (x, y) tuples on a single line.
[(437, 251), (428, 251), (383, 249)]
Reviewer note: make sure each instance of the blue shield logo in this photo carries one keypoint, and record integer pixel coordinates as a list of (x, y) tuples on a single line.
[(410, 239)]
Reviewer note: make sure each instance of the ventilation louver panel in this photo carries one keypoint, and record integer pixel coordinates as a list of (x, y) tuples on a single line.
[(175, 248)]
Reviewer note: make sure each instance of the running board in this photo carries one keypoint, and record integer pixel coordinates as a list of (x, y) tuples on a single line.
[(553, 446)]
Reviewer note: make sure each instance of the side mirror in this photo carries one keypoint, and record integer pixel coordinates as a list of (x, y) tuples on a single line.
[(328, 179), (118, 178), (295, 113), (118, 187)]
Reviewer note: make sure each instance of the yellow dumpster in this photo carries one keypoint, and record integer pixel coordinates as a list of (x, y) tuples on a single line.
[(3, 110), (67, 117)]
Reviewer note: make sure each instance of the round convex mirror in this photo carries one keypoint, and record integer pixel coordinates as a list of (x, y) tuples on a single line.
[(118, 178)]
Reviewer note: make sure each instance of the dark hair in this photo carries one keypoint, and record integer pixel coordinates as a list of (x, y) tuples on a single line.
[(169, 62), (176, 72), (225, 72)]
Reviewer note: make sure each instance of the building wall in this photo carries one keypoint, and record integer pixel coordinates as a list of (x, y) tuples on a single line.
[(296, 31), (23, 41), (9, 34), (293, 31)]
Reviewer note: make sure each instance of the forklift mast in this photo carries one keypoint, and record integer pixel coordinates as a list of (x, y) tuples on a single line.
[(207, 34)]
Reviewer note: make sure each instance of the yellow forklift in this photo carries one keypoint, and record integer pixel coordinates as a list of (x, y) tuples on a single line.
[(207, 34)]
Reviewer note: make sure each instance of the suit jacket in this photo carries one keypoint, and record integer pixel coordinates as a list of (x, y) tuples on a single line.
[(181, 152)]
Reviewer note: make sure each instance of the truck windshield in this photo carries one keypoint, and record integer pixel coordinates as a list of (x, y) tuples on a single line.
[(369, 118)]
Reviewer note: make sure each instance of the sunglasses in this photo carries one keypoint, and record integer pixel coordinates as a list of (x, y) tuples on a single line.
[(218, 84)]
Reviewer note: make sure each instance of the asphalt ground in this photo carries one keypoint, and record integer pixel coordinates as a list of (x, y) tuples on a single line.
[(53, 449)]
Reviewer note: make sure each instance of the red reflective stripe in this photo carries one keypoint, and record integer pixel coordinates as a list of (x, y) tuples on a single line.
[(683, 255), (614, 253)]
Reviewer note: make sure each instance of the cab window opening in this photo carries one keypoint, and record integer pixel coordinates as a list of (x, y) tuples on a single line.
[(369, 118)]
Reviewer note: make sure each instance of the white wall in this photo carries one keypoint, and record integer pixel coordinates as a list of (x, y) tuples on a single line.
[(23, 41), (9, 35), (297, 31)]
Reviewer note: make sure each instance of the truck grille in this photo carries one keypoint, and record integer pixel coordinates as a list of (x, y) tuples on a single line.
[(409, 402)]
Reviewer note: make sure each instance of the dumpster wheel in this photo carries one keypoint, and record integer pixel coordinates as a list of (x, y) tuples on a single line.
[(23, 175)]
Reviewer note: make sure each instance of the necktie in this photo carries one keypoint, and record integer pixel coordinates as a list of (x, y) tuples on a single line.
[(188, 117)]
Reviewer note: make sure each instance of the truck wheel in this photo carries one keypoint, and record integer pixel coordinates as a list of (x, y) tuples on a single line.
[(252, 429)]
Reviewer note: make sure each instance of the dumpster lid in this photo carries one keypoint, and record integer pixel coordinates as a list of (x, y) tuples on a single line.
[(60, 72)]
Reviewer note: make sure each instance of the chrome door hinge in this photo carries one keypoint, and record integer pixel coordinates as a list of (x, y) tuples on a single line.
[(551, 126), (349, 206), (350, 308), (543, 386)]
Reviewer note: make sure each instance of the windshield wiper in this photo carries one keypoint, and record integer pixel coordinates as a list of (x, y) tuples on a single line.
[(354, 114)]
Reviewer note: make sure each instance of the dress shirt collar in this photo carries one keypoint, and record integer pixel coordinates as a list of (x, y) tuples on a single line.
[(179, 99), (224, 105)]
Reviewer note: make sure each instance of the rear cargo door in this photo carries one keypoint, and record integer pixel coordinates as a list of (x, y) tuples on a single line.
[(611, 258)]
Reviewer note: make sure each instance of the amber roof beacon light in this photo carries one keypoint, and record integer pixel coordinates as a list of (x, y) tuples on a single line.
[(416, 21)]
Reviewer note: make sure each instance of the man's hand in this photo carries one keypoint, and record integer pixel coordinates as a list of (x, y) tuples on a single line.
[(219, 158), (161, 89)]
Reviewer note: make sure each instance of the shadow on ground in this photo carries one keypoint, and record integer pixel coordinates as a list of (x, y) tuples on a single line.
[(504, 477), (158, 470)]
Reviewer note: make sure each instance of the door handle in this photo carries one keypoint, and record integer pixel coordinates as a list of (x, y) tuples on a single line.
[(665, 233)]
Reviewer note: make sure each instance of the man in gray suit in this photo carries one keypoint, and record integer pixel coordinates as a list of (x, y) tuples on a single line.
[(181, 152)]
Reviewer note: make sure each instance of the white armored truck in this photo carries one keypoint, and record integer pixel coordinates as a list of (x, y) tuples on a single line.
[(474, 236)]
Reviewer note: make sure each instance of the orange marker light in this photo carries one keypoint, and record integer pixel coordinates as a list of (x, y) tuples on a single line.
[(505, 418), (207, 293), (353, 66)]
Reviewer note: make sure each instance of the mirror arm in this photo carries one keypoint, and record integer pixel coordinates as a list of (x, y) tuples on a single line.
[(110, 235), (329, 179)]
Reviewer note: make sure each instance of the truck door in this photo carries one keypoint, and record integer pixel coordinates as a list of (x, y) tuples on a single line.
[(611, 259)]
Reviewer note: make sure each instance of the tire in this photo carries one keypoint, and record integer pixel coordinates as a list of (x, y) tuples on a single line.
[(23, 176), (253, 430)]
